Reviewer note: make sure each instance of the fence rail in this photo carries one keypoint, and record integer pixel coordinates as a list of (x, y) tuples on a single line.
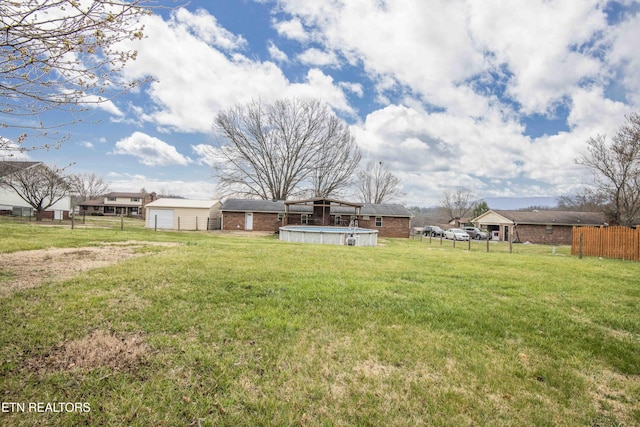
[(606, 242)]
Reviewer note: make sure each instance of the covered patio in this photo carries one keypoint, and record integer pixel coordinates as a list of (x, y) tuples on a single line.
[(322, 214)]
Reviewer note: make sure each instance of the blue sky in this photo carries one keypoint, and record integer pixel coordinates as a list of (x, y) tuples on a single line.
[(497, 98)]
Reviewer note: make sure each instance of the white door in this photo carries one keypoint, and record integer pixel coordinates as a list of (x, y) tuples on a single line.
[(160, 218), (248, 221)]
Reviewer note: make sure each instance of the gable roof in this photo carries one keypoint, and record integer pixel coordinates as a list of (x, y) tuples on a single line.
[(544, 217), (9, 167), (278, 206)]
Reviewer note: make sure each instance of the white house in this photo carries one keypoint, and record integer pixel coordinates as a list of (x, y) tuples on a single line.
[(12, 204)]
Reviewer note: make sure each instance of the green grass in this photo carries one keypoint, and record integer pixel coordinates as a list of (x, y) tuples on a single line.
[(254, 331)]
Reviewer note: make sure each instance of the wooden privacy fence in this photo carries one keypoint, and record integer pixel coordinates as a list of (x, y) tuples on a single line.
[(606, 242)]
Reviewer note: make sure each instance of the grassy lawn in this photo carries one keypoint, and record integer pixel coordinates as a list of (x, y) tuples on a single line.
[(236, 330)]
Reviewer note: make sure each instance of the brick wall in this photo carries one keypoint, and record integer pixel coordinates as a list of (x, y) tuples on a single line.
[(555, 235), (261, 221), (391, 226)]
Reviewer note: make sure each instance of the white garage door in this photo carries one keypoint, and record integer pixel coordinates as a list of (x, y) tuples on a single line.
[(164, 218)]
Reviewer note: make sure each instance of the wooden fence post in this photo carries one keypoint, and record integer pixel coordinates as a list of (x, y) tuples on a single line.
[(178, 223), (155, 223), (580, 246)]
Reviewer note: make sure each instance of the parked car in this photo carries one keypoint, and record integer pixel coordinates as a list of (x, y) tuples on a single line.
[(456, 234), (433, 231), (476, 233)]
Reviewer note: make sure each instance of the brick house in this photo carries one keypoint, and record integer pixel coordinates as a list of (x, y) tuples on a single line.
[(537, 226), (116, 204), (390, 220)]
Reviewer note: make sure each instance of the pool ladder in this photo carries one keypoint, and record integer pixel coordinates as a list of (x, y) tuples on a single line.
[(351, 237)]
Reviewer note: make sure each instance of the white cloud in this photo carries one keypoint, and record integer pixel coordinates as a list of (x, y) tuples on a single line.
[(320, 86), (86, 144), (624, 57), (205, 27), (546, 45), (317, 57), (150, 151), (189, 189), (275, 53), (292, 29), (193, 83)]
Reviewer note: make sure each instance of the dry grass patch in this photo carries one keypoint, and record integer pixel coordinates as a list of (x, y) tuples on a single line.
[(30, 269), (615, 395), (99, 349)]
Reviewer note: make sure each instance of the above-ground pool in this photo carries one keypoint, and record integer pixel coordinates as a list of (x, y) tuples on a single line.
[(329, 235)]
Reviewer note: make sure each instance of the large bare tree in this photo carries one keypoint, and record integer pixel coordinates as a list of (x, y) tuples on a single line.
[(290, 148), (39, 185), (616, 167), (87, 186), (377, 184), (457, 204), (64, 55)]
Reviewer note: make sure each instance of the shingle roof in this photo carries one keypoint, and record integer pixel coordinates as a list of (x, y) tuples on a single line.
[(554, 217), (243, 205)]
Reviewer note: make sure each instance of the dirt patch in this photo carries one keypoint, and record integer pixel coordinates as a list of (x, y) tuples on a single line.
[(29, 269), (99, 349)]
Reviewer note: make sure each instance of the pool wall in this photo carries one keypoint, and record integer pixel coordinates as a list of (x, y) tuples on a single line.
[(329, 235)]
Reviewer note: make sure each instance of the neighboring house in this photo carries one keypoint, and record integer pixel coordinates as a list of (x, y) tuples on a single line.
[(390, 220), (183, 214), (537, 226), (12, 204), (127, 204)]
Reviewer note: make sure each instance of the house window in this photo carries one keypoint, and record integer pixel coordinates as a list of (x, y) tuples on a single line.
[(337, 220), (95, 208), (378, 221), (109, 209), (111, 199), (548, 229), (304, 219), (135, 199)]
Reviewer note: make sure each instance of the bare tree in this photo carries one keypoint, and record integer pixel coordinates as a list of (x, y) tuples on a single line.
[(377, 184), (87, 186), (457, 204), (62, 55), (586, 200), (289, 148), (39, 185), (616, 167)]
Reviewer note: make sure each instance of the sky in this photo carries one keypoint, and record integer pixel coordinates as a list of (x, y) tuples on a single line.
[(492, 97)]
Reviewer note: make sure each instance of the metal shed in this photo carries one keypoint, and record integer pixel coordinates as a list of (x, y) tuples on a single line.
[(182, 214)]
